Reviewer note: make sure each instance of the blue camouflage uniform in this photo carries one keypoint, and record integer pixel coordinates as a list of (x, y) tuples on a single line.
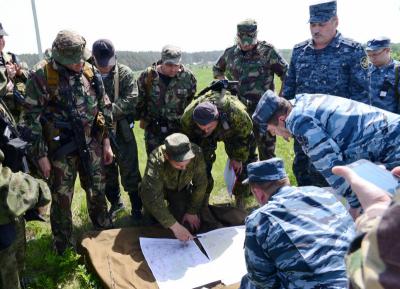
[(298, 240), (336, 131), (338, 69), (384, 87)]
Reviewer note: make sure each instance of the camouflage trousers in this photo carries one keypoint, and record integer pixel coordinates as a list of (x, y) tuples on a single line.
[(264, 142), (62, 181), (303, 169), (12, 258), (154, 139), (126, 163), (240, 191), (211, 217)]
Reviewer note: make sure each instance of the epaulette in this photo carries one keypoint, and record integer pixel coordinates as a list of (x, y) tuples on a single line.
[(349, 42), (302, 44), (265, 43)]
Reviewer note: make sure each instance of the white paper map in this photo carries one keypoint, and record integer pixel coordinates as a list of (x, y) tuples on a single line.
[(175, 265), (229, 177)]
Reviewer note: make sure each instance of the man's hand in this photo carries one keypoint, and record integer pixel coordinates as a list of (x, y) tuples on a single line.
[(45, 167), (192, 220), (180, 232), (10, 86), (142, 124), (236, 166), (108, 155), (11, 70), (369, 195)]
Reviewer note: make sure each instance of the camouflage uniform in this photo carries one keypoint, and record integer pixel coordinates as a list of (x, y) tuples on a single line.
[(336, 131), (169, 193), (234, 129), (339, 69), (47, 107), (21, 192), (19, 84), (373, 257), (161, 105), (280, 252), (126, 153), (382, 88), (255, 71)]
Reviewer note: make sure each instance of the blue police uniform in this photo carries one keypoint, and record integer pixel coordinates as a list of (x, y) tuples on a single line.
[(339, 69), (337, 131), (384, 80), (384, 89), (298, 240)]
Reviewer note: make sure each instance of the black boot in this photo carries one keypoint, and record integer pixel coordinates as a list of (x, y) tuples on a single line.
[(136, 203)]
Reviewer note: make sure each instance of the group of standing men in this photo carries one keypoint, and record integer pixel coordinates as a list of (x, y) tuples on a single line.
[(82, 109)]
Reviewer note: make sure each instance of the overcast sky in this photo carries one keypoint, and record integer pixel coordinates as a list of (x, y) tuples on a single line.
[(193, 25)]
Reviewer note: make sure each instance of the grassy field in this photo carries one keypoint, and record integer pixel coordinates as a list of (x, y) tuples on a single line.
[(47, 270)]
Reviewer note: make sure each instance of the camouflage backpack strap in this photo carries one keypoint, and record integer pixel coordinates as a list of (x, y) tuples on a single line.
[(88, 71), (116, 83), (149, 80), (52, 77)]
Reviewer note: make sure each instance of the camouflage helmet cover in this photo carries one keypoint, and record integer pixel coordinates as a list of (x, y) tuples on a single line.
[(69, 48), (247, 32)]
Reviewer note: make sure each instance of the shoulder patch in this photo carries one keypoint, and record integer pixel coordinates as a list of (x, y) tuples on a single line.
[(364, 62)]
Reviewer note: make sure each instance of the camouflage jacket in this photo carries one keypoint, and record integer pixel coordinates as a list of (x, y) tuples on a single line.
[(253, 69), (160, 179), (19, 83), (161, 103), (234, 127), (337, 131), (46, 106), (339, 69), (281, 252), (20, 192), (124, 103), (374, 256), (382, 88)]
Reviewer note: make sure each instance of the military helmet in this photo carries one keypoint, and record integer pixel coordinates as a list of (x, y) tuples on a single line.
[(247, 31), (69, 48)]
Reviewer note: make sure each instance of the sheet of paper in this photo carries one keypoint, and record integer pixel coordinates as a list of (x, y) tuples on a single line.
[(177, 266), (225, 248), (229, 177)]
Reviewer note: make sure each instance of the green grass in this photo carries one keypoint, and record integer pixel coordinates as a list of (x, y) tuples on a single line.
[(48, 270)]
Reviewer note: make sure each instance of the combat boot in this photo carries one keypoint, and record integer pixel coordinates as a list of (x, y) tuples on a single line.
[(136, 203), (116, 207)]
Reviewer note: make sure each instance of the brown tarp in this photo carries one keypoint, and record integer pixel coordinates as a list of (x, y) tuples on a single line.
[(116, 257)]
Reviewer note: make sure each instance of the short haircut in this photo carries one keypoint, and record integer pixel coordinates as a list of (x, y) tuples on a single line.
[(271, 187), (283, 108)]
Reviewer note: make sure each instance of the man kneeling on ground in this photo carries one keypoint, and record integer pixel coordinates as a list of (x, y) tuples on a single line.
[(298, 238), (174, 185)]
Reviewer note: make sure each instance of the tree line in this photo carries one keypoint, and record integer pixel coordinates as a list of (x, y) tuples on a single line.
[(140, 60)]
